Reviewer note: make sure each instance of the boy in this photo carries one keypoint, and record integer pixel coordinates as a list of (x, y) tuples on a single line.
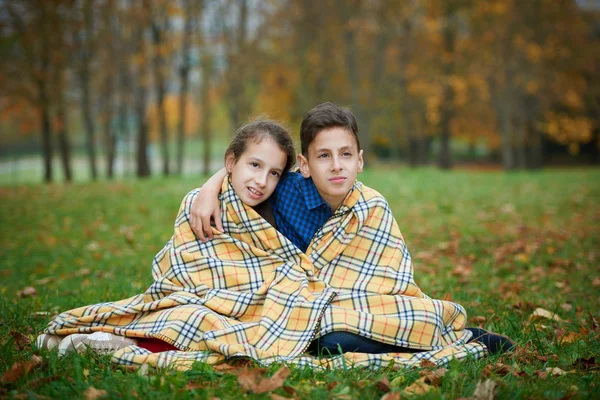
[(303, 201)]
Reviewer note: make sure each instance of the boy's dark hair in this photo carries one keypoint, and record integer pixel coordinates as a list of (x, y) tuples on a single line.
[(325, 116), (256, 131)]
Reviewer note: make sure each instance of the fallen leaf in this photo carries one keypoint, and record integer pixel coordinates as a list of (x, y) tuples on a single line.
[(383, 384), (434, 377), (596, 281), (251, 380), (193, 385), (44, 281), (479, 320), (391, 396), (291, 390), (541, 313), (20, 369), (586, 363), (566, 337), (86, 373), (398, 381), (499, 369), (418, 387), (29, 291), (233, 367), (21, 341), (555, 371), (83, 272), (566, 306), (484, 390), (92, 393), (277, 397), (427, 364)]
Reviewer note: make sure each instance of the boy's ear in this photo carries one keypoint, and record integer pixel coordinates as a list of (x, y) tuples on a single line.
[(361, 162), (303, 166), (229, 162)]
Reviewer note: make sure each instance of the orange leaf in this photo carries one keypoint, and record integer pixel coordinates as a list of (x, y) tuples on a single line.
[(418, 387), (20, 369), (92, 393), (21, 341), (383, 384), (251, 380), (434, 377)]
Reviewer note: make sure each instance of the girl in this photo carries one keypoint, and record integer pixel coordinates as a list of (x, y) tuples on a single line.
[(258, 155)]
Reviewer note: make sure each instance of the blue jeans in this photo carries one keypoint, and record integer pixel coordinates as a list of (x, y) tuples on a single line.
[(343, 342)]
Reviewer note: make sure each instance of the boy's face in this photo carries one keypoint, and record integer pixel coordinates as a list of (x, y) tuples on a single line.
[(333, 162)]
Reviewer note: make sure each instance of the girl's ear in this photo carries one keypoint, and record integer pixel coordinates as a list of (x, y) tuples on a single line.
[(303, 166), (229, 162)]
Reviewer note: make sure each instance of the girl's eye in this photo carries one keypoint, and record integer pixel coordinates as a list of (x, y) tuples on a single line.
[(275, 173), (254, 164)]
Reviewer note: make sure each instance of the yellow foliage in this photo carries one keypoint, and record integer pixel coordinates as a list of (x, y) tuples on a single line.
[(573, 100), (534, 52), (276, 96), (569, 130), (172, 116)]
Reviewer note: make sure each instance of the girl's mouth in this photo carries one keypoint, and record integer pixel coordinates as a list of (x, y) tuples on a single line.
[(255, 194)]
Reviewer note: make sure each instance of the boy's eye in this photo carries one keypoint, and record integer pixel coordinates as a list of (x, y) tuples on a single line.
[(324, 155), (254, 164), (347, 154)]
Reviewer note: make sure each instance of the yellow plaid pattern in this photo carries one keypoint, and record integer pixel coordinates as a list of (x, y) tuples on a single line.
[(251, 293)]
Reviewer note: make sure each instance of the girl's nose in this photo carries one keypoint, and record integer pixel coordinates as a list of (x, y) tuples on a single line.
[(261, 180)]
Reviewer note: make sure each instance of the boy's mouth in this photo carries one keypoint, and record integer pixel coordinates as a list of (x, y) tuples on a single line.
[(337, 179), (255, 194)]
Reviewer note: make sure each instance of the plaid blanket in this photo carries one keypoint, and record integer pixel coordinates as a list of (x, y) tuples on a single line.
[(251, 293)]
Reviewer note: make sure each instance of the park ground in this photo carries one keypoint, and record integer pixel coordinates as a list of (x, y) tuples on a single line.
[(519, 250)]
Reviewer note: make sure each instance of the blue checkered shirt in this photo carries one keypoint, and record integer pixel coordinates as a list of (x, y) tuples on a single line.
[(299, 209)]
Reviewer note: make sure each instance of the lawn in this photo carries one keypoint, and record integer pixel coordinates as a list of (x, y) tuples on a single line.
[(520, 251)]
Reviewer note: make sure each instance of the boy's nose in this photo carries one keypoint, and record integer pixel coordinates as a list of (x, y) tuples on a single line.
[(335, 164)]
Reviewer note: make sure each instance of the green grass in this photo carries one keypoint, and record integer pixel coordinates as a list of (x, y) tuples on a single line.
[(500, 244)]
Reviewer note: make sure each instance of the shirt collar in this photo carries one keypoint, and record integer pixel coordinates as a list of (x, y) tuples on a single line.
[(311, 195)]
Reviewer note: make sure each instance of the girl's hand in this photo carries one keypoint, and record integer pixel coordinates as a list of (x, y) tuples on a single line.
[(206, 207)]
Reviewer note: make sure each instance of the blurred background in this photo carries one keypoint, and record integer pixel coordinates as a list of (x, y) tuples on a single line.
[(131, 88)]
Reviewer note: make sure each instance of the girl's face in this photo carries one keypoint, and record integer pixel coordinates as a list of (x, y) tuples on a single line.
[(256, 173)]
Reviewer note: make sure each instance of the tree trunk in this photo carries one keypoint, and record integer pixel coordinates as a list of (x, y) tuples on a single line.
[(85, 77), (44, 97), (505, 130), (46, 132), (63, 138), (108, 98), (362, 118), (205, 111), (142, 162), (447, 107), (159, 79), (536, 155), (236, 74), (184, 84)]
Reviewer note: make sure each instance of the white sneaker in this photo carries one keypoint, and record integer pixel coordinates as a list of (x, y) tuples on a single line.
[(100, 342), (47, 341)]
